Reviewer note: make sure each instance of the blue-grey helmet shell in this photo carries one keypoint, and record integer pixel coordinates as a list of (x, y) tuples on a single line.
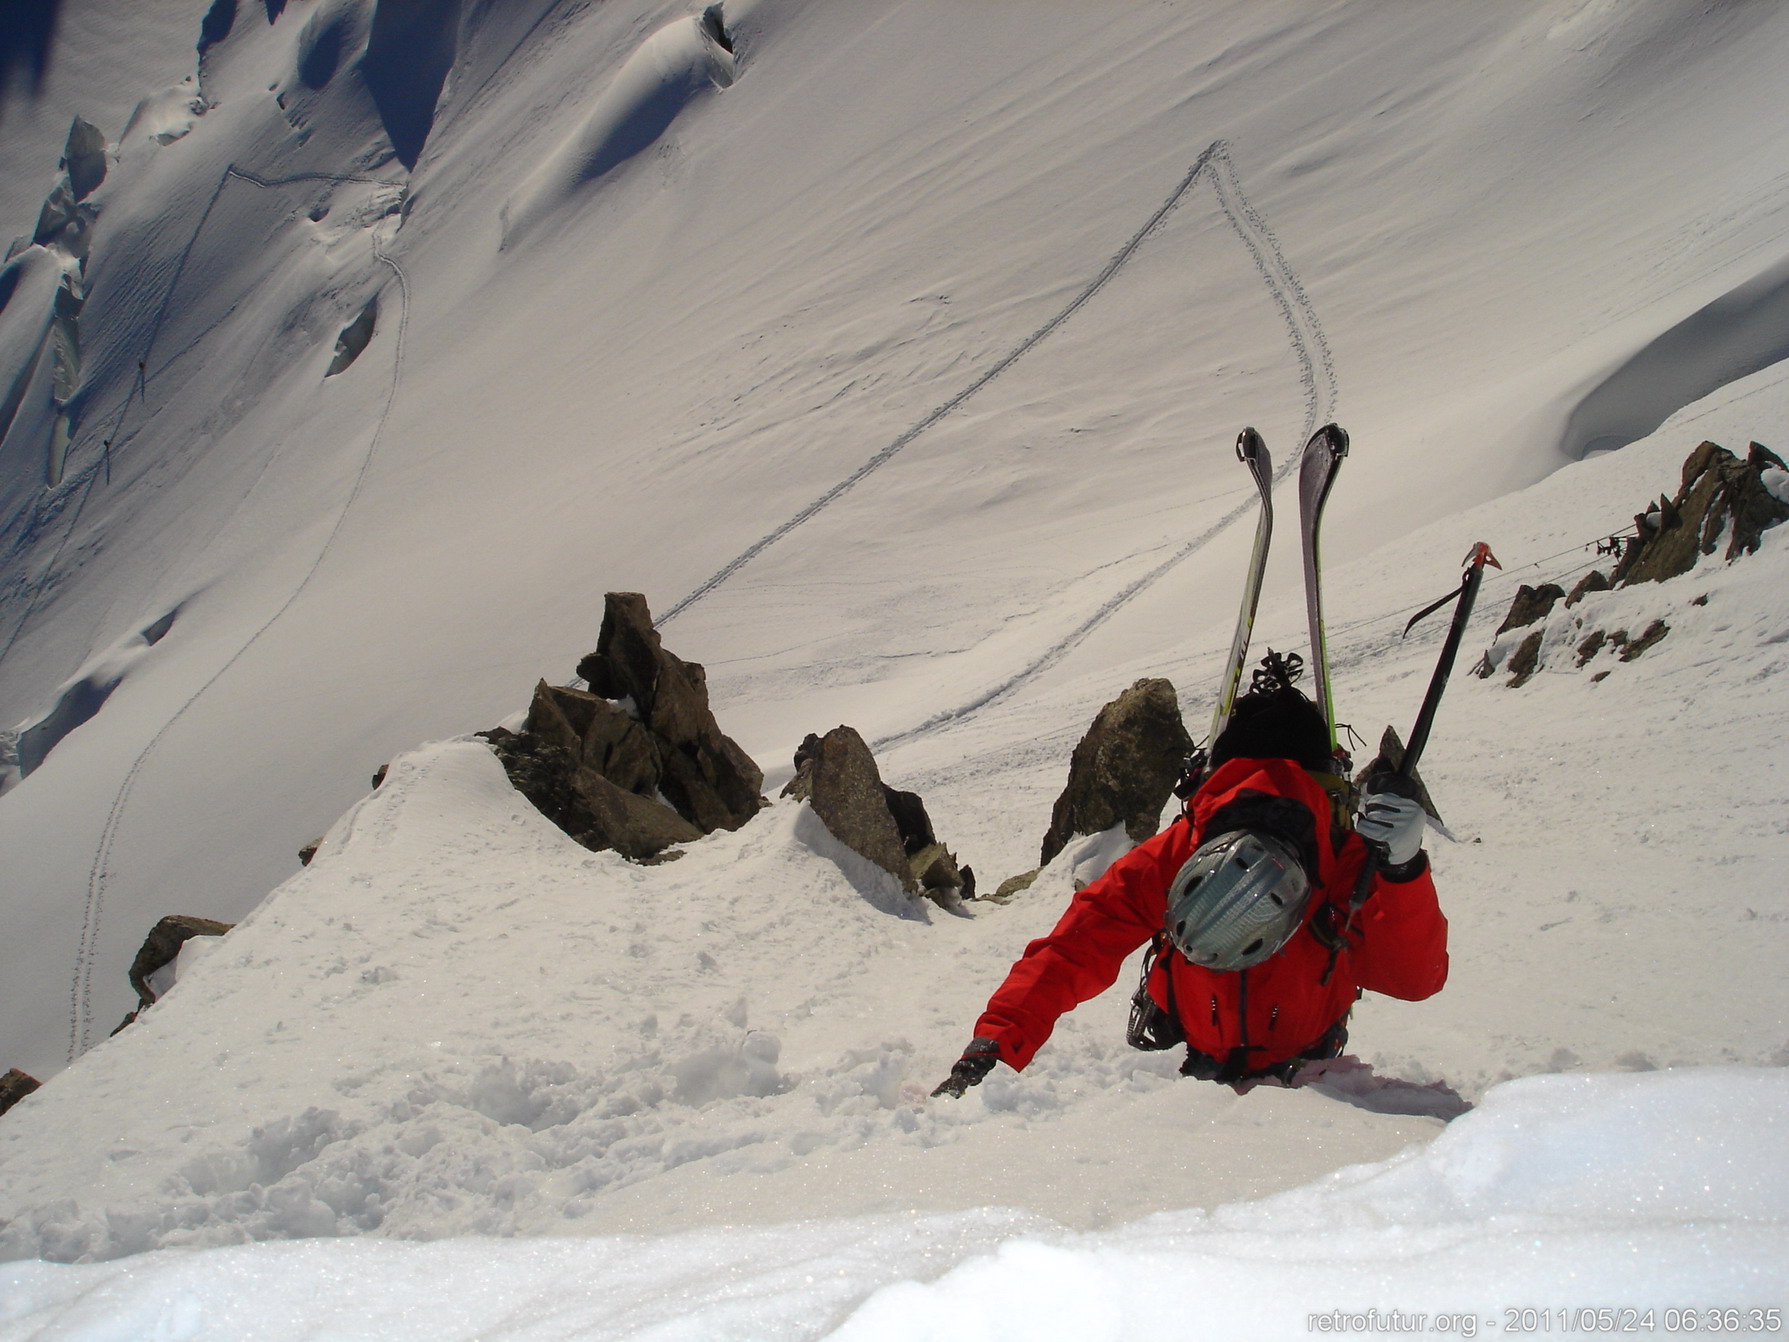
[(1237, 900)]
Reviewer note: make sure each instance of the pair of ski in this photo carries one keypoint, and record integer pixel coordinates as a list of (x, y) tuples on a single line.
[(1317, 469), (1322, 459)]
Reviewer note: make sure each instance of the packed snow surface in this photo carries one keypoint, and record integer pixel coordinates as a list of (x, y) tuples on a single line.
[(895, 352), (1551, 1192)]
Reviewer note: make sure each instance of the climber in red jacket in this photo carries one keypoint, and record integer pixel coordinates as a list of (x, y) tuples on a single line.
[(1260, 949)]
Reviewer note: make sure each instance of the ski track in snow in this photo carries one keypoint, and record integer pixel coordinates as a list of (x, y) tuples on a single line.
[(458, 1025), (81, 983), (102, 468), (1304, 334)]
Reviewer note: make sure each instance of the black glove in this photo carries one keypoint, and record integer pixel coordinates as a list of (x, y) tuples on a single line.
[(977, 1061)]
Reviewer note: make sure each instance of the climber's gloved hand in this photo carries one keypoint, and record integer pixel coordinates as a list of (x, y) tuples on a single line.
[(977, 1061), (1392, 822)]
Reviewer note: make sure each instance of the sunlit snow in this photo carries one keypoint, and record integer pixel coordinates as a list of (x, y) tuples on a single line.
[(895, 352)]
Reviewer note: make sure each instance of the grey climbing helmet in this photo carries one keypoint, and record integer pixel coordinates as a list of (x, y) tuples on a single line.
[(1238, 899)]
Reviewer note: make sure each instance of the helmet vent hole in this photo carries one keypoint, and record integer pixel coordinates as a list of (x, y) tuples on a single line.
[(1253, 946)]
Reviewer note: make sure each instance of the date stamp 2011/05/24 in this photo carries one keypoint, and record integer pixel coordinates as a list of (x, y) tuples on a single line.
[(1560, 1320)]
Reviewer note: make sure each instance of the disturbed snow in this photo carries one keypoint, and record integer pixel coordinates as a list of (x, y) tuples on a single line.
[(804, 366)]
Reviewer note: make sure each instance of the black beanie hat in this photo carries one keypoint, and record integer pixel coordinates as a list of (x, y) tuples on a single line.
[(1274, 721)]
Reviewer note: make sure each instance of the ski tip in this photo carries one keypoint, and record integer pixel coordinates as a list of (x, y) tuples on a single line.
[(1335, 438), (1249, 443)]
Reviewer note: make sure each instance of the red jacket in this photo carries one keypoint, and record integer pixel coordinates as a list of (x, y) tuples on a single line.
[(1278, 1009)]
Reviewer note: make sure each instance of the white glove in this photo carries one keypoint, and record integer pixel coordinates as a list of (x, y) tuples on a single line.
[(1393, 822)]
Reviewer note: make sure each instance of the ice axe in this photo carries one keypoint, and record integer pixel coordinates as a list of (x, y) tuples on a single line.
[(1466, 593), (1333, 931)]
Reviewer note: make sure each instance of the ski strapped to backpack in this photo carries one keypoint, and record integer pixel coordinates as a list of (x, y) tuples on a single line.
[(1322, 458), (1251, 450), (1331, 927), (1317, 470)]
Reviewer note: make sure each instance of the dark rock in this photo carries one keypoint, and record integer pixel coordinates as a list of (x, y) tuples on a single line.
[(637, 762), (1591, 646), (1594, 581), (1389, 758), (309, 852), (379, 776), (542, 772), (705, 775), (1719, 494), (593, 810), (1124, 768), (935, 868), (15, 1086), (57, 214), (1755, 509), (1649, 637), (163, 944), (805, 753), (837, 776), (636, 827), (1526, 659), (1531, 604), (911, 820), (600, 735), (84, 158), (1014, 885)]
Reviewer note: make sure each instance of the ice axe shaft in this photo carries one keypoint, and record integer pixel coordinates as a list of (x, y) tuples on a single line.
[(1399, 781), (1450, 649)]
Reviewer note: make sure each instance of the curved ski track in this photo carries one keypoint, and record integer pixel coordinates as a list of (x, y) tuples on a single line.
[(81, 985), (1304, 334)]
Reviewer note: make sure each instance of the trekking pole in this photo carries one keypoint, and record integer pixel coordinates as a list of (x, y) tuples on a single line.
[(1398, 780)]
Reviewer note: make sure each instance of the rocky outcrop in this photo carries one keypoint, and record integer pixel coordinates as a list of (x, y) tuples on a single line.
[(837, 776), (162, 946), (1627, 648), (635, 763), (65, 219), (1124, 768), (1526, 659), (1594, 581), (1719, 496), (1531, 604), (15, 1086), (709, 780), (159, 950)]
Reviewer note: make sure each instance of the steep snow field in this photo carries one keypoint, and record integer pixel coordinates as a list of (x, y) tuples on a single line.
[(896, 355)]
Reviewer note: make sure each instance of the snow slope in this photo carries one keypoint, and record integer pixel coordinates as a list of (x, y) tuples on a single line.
[(1522, 1194), (901, 375), (796, 277)]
